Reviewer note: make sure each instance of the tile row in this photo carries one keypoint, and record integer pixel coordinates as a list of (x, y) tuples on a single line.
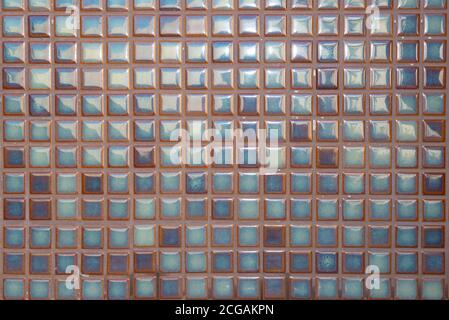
[(222, 235), (196, 183), (144, 130), (221, 25), (305, 104), (351, 157), (166, 262), (267, 51), (326, 157), (245, 209), (225, 287), (172, 78), (162, 5)]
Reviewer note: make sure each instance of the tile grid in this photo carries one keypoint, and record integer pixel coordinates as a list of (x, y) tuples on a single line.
[(261, 221)]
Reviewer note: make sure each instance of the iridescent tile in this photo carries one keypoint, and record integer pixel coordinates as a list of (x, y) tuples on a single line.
[(222, 25), (353, 262), (65, 26), (408, 24), (117, 27), (354, 51), (326, 262), (66, 208), (354, 25), (408, 51), (406, 157), (406, 183), (170, 25), (352, 288), (301, 25), (66, 183), (381, 24), (380, 183), (13, 52), (434, 24), (435, 51), (13, 26), (275, 25), (327, 24), (407, 4)]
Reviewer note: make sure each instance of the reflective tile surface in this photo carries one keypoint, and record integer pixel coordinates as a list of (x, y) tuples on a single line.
[(224, 149)]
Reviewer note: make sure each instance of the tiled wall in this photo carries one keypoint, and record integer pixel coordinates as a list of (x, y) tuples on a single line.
[(92, 92)]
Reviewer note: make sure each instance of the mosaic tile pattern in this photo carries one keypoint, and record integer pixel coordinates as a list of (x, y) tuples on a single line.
[(356, 96)]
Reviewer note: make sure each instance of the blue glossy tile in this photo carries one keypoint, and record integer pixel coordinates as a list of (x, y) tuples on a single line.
[(64, 261), (196, 236), (300, 209), (170, 262), (40, 237), (14, 263), (433, 263), (326, 262), (222, 287), (275, 209), (145, 288), (406, 210), (196, 262), (353, 262), (248, 182), (39, 289), (383, 292), (118, 238), (196, 208), (144, 209), (300, 262), (379, 236), (144, 236), (432, 289), (67, 237), (170, 208), (379, 209), (248, 288), (353, 236), (39, 264), (248, 261), (433, 237), (300, 236), (327, 209), (196, 182), (352, 288), (326, 236), (248, 208), (170, 237), (406, 262), (301, 289), (222, 235), (433, 210), (328, 183), (353, 209), (327, 288), (222, 208), (92, 238), (380, 259), (64, 293), (13, 288), (196, 288), (222, 262), (92, 289)]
